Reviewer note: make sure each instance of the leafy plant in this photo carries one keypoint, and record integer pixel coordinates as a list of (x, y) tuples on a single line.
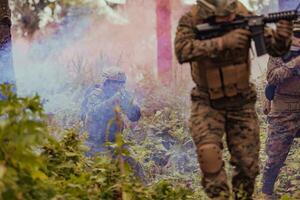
[(35, 165), (22, 133)]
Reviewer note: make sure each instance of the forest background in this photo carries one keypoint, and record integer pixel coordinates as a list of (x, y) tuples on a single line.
[(61, 47)]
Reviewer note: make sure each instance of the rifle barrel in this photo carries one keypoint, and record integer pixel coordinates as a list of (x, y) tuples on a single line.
[(285, 15)]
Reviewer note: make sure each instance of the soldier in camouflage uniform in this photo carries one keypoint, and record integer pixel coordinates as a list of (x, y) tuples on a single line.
[(98, 110), (284, 116), (223, 99)]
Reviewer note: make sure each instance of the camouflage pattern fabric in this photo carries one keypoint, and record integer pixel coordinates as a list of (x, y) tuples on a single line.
[(98, 113), (188, 48), (281, 74), (233, 116), (236, 118), (283, 123), (283, 128), (102, 122)]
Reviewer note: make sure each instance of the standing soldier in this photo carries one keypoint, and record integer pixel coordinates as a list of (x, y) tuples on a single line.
[(284, 117), (223, 100)]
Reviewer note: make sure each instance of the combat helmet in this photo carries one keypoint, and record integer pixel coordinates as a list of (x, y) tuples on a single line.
[(218, 7), (114, 74)]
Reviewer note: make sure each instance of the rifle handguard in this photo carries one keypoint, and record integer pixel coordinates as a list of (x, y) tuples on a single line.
[(285, 15)]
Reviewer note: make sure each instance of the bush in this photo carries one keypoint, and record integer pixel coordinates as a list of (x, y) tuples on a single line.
[(35, 165)]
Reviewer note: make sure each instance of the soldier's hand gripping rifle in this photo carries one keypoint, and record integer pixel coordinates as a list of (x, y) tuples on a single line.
[(255, 24)]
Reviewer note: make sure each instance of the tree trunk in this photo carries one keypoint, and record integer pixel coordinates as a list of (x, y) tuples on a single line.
[(164, 44), (7, 74)]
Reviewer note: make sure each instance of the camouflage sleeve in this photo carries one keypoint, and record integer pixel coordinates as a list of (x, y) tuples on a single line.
[(106, 104), (92, 103), (187, 47), (277, 71), (276, 46), (97, 104)]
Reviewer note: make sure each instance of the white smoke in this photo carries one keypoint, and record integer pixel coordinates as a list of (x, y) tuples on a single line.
[(83, 39), (103, 8), (192, 2)]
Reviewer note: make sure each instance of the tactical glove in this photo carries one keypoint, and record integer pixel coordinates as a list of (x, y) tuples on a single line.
[(236, 39), (284, 30)]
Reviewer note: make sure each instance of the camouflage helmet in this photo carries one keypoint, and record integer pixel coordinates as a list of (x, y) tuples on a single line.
[(114, 74), (218, 7)]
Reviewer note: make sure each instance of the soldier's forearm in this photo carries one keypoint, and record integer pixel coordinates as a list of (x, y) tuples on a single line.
[(187, 47), (278, 75), (192, 49), (113, 102), (275, 46), (279, 71)]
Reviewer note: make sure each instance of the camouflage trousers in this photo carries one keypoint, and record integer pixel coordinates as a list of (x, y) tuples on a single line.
[(209, 122), (282, 130)]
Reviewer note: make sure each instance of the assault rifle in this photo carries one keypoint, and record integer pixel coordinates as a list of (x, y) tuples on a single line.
[(255, 24)]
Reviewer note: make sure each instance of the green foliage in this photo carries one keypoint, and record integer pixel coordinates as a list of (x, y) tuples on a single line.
[(164, 191), (22, 133), (34, 165)]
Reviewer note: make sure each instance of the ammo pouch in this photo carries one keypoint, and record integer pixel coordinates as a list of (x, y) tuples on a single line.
[(282, 103), (227, 81)]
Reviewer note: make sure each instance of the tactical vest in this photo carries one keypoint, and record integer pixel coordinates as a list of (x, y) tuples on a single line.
[(283, 103), (223, 76), (226, 74)]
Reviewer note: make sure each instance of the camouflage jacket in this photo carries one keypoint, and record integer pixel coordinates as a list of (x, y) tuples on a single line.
[(98, 110), (281, 74)]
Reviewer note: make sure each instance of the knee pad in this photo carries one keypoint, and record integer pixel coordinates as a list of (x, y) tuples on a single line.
[(210, 158)]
